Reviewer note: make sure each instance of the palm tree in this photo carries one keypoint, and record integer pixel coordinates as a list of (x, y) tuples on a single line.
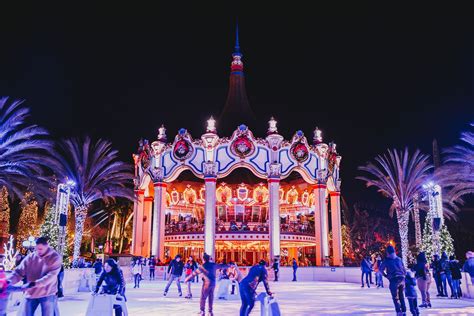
[(398, 176), (456, 174), (23, 149), (98, 176)]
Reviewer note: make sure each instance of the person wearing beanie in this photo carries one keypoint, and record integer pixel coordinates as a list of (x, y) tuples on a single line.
[(208, 271), (248, 286), (392, 268), (175, 270)]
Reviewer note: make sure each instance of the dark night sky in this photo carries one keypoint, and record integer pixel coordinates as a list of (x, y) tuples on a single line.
[(371, 79)]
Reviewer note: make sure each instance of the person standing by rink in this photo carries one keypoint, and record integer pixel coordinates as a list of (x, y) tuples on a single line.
[(423, 279), (248, 286), (295, 267), (40, 268), (152, 266), (175, 270), (276, 268), (137, 270), (469, 265), (455, 269), (396, 275), (208, 270), (366, 268)]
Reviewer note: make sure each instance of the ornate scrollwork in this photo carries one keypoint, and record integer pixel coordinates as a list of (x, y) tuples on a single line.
[(156, 174), (210, 169), (275, 170)]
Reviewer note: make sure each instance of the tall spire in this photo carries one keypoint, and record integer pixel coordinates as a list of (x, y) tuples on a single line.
[(237, 45), (237, 108)]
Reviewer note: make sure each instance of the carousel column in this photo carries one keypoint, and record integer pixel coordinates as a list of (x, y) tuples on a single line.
[(158, 229), (321, 218), (210, 180), (137, 222), (274, 217), (146, 228), (336, 228)]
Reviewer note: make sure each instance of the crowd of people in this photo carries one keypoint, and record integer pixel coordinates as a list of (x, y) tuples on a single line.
[(404, 281), (39, 272)]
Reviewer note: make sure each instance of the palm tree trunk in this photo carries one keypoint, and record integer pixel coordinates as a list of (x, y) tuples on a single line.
[(403, 216), (416, 218), (80, 215)]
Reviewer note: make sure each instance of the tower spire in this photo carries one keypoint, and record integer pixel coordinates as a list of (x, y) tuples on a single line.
[(237, 45), (237, 108)]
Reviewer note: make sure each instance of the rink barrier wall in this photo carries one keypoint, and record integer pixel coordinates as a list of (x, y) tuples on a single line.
[(72, 277)]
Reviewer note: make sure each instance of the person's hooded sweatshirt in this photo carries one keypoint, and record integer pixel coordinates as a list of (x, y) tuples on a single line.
[(392, 267), (42, 270)]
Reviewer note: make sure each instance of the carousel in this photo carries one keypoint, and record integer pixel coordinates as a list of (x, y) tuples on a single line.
[(239, 198)]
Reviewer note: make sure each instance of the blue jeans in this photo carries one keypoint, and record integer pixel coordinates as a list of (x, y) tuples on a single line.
[(456, 286), (397, 287), (379, 279), (247, 296), (294, 274), (48, 305)]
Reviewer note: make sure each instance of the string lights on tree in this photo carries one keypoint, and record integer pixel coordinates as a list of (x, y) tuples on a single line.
[(27, 225)]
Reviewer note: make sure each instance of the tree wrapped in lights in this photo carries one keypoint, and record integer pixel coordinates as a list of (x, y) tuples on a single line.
[(4, 212), (27, 225), (49, 228), (416, 220), (398, 176), (347, 249), (9, 255), (445, 239), (98, 175)]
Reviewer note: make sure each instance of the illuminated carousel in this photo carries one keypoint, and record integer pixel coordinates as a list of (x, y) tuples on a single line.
[(238, 198)]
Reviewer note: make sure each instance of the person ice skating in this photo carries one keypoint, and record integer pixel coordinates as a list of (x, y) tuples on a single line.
[(410, 292), (248, 286), (235, 276), (469, 265), (378, 274), (152, 266), (97, 268), (392, 268), (366, 268), (114, 283), (423, 279), (276, 268), (208, 271), (175, 270), (455, 273), (295, 267), (60, 293), (137, 270), (189, 268), (41, 268), (3, 292)]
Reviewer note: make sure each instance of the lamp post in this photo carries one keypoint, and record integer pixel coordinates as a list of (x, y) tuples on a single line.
[(62, 205), (29, 244), (436, 211)]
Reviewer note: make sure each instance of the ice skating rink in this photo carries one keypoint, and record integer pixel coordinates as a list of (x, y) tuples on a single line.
[(295, 298)]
